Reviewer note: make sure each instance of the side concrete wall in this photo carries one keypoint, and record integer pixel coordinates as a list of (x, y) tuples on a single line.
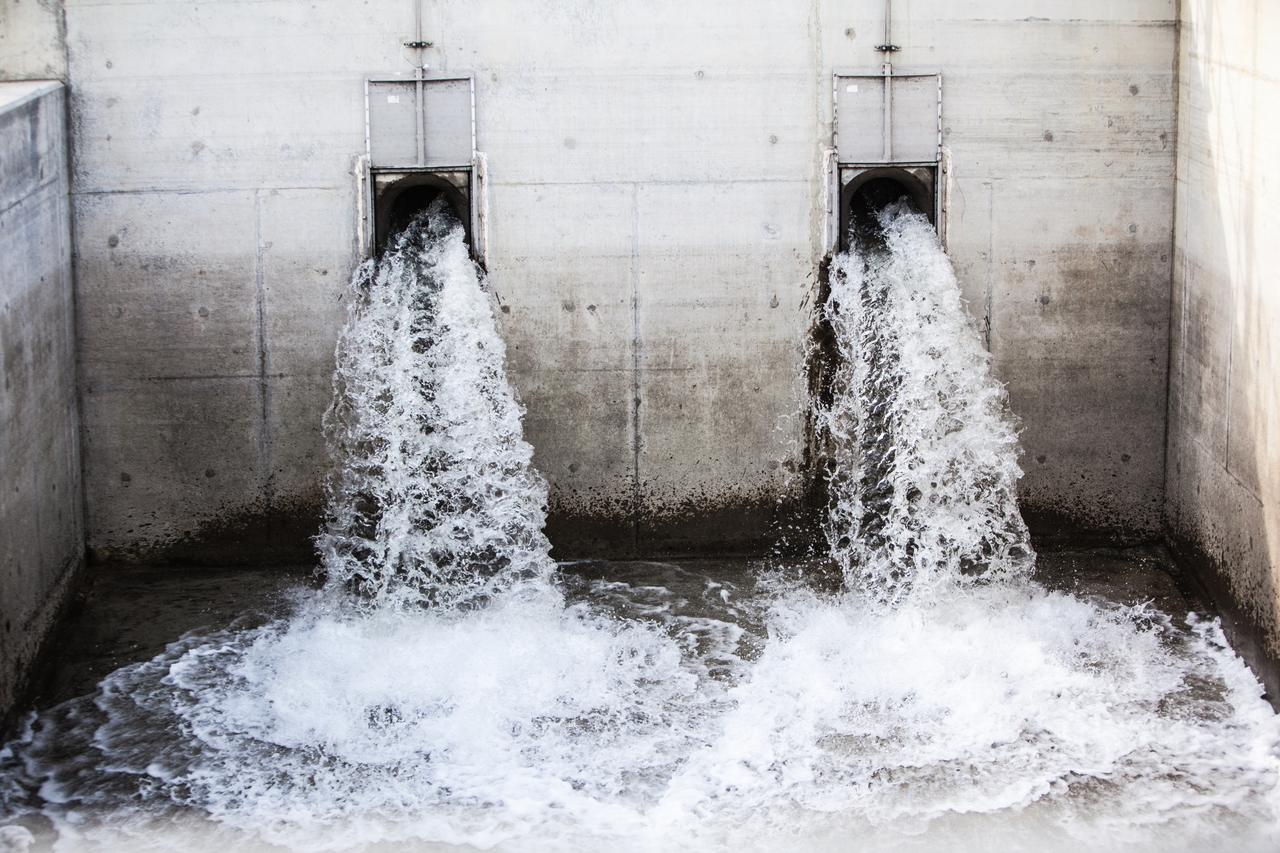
[(41, 517), (1223, 508), (656, 221)]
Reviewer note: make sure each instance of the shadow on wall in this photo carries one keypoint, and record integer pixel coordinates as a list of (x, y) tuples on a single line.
[(1223, 464)]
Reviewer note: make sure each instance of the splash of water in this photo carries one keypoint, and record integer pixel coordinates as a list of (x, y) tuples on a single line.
[(475, 700), (923, 470), (433, 499)]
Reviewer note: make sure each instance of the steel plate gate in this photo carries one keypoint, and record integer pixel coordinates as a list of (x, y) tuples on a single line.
[(886, 124), (421, 132)]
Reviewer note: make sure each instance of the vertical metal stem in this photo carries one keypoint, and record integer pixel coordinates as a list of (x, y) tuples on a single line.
[(886, 69), (422, 117), (418, 87)]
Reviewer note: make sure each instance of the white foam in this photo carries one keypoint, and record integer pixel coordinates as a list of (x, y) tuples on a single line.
[(945, 701), (1109, 723)]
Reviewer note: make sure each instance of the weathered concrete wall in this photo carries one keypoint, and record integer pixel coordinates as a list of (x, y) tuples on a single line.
[(32, 40), (656, 225), (1060, 118), (41, 518), (1224, 401)]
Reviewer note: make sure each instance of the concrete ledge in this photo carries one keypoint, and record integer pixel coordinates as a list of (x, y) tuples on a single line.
[(15, 93)]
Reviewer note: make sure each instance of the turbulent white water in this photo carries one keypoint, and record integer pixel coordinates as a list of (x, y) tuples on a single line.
[(447, 689), (923, 466), (432, 499)]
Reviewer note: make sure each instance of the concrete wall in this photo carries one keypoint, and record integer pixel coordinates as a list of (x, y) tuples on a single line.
[(32, 40), (1060, 119), (1224, 402), (41, 520), (656, 226)]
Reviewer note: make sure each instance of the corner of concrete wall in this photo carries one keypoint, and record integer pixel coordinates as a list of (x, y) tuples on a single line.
[(1222, 511), (41, 498)]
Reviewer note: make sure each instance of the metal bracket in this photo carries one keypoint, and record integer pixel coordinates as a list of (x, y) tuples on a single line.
[(888, 48), (423, 45)]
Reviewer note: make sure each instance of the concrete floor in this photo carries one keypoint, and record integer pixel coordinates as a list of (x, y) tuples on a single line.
[(129, 614)]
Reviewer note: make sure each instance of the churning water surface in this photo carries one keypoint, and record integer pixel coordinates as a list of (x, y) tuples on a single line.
[(450, 687)]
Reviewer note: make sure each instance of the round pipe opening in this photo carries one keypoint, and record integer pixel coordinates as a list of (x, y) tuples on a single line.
[(873, 190), (404, 199)]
